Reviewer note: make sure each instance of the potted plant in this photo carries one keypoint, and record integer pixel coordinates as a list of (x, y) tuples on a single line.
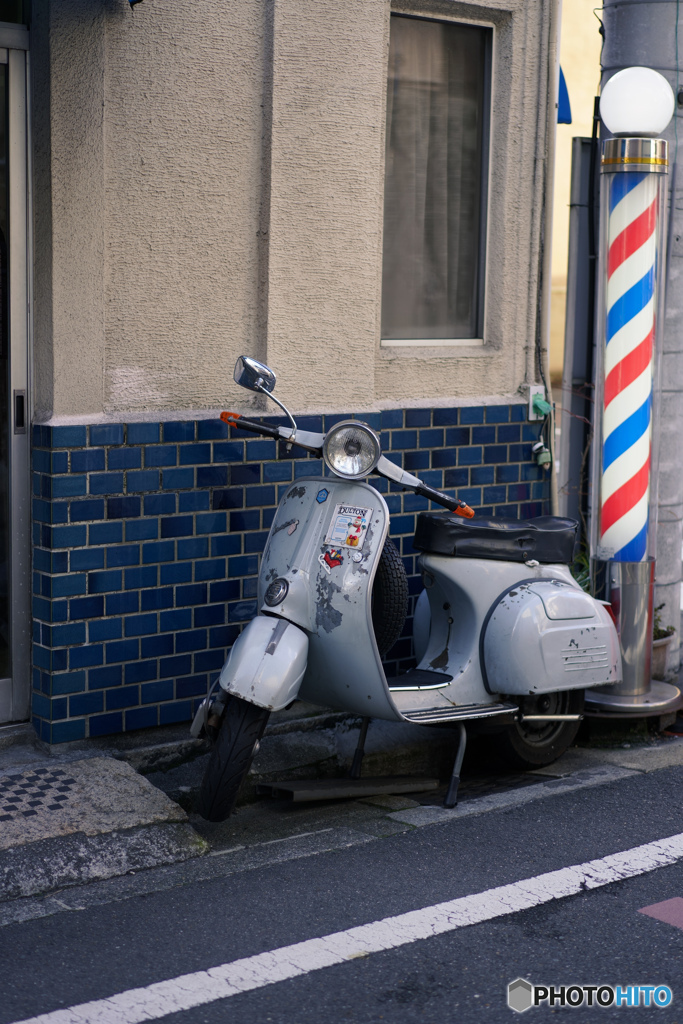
[(661, 638)]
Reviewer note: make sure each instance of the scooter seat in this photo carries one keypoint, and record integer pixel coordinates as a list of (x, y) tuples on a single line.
[(548, 539)]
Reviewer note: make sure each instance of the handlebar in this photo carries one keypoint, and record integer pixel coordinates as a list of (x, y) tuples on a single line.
[(453, 504), (231, 419)]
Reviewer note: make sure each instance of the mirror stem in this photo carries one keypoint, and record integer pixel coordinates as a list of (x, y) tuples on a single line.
[(277, 401)]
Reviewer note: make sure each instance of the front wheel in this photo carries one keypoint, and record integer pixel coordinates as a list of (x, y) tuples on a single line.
[(240, 731), (536, 744)]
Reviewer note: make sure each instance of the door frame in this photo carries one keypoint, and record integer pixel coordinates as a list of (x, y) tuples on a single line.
[(15, 692)]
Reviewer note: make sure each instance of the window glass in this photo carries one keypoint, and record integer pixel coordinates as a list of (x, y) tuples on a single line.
[(433, 195)]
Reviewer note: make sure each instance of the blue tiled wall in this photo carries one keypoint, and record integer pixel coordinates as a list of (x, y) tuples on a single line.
[(147, 537)]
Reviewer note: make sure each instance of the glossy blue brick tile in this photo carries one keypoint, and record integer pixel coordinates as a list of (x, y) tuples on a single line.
[(85, 608), (106, 433), (60, 462), (68, 682), (41, 461), (123, 508), (245, 521), (276, 471), (163, 455), (86, 703), (159, 551), (223, 636), (179, 665), (518, 413), (106, 533), (418, 417), (212, 476), (104, 725), (122, 650), (254, 543), (192, 454), (508, 432), (449, 417), (257, 496), (233, 497), (228, 451), (443, 458), (87, 656), (88, 460), (125, 554), (191, 686), (241, 611), (497, 413), (211, 430), (69, 486), (494, 495), (179, 430), (538, 490), (391, 419), (63, 636), (193, 547), (50, 561), (177, 711), (106, 483), (481, 475), (471, 414), (458, 436), (507, 474), (519, 492), (262, 450), (142, 433), (69, 437), (194, 640), (65, 732), (195, 593), (483, 435), (181, 618), (156, 646), (243, 565), (530, 432), (208, 661), (140, 576), (178, 526), (123, 604), (138, 625), (153, 600), (175, 572), (67, 586), (209, 615), (105, 629), (470, 456), (247, 474), (495, 453), (211, 569), (308, 467), (520, 453), (153, 692), (100, 678), (212, 522), (472, 495), (225, 590), (83, 559), (103, 582), (142, 529), (531, 471), (49, 512), (414, 462), (141, 718), (140, 671), (176, 479), (402, 524), (159, 504), (82, 511), (194, 501), (142, 480)]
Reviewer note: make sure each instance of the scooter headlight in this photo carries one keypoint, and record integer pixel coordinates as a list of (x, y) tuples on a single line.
[(351, 449)]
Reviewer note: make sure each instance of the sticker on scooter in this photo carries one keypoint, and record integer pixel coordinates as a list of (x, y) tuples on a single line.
[(322, 495), (349, 526), (333, 557)]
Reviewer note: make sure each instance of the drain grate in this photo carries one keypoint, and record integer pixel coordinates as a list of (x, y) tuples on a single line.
[(21, 796)]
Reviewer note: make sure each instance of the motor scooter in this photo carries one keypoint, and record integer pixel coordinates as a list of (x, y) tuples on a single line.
[(503, 634)]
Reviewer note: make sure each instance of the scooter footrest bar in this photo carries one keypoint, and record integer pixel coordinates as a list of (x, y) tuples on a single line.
[(428, 716)]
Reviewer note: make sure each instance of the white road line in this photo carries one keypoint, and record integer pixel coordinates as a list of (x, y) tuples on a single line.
[(190, 990)]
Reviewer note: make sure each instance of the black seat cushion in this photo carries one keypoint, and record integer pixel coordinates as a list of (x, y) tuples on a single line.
[(547, 538)]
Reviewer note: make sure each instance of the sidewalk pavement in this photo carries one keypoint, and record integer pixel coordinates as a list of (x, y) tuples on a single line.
[(74, 815)]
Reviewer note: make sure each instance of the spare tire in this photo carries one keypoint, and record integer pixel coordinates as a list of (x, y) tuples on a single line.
[(389, 598)]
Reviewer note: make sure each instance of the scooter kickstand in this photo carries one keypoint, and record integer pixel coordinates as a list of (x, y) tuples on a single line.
[(360, 750), (452, 794)]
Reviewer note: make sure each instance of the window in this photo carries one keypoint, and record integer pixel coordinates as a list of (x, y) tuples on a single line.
[(434, 189)]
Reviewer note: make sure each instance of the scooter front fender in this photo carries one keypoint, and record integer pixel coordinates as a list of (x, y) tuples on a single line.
[(267, 663)]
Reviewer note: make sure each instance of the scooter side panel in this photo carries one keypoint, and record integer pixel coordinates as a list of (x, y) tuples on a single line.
[(329, 579)]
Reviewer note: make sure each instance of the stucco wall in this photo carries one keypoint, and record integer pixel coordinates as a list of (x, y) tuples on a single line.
[(216, 185)]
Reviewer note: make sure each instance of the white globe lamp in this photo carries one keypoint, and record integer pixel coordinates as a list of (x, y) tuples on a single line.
[(637, 102)]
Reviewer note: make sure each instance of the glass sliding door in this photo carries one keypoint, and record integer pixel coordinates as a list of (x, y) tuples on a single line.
[(14, 412)]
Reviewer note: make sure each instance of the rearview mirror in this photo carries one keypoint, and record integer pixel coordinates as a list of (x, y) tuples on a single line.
[(254, 376)]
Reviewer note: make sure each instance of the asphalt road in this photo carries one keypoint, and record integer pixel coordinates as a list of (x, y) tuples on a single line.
[(186, 924)]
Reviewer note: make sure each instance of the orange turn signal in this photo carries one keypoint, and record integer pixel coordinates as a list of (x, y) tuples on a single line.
[(230, 417), (465, 511)]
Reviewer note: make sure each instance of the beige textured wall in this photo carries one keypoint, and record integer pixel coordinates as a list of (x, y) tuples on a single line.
[(216, 187)]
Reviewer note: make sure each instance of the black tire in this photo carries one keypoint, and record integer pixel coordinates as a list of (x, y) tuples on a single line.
[(536, 744), (241, 729), (389, 598)]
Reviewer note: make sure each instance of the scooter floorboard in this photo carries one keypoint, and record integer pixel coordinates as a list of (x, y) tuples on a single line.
[(303, 791)]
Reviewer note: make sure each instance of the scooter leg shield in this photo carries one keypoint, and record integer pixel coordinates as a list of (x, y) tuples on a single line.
[(267, 663)]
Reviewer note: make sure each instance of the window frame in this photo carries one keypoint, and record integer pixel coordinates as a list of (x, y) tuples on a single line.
[(489, 67)]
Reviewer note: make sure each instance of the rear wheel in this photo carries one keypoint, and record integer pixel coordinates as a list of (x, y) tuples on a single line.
[(389, 598), (535, 744), (240, 731)]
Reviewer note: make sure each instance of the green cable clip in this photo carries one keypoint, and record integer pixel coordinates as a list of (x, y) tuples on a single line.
[(540, 406)]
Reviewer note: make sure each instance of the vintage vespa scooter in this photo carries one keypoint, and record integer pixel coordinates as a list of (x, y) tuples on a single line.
[(504, 634)]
